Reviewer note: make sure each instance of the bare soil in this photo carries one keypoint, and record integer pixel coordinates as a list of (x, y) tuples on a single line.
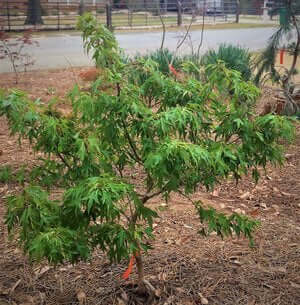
[(184, 267)]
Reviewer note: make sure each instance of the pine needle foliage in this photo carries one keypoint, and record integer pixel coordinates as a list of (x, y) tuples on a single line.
[(287, 36), (177, 135), (266, 62)]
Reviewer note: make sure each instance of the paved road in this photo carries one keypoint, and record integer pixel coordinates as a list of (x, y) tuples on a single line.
[(65, 50)]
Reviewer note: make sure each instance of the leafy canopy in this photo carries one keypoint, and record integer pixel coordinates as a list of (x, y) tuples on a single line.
[(177, 136)]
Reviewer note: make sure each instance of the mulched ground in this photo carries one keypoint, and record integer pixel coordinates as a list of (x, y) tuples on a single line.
[(184, 267)]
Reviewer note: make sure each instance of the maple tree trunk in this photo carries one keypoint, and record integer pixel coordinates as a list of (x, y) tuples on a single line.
[(140, 270)]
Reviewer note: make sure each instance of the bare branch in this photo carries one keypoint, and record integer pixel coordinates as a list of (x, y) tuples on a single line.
[(131, 144), (180, 43), (163, 26), (202, 29)]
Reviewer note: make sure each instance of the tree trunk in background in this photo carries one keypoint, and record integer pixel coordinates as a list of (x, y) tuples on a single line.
[(81, 8), (34, 12), (238, 7)]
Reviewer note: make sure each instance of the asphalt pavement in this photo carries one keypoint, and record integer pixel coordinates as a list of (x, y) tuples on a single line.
[(66, 50)]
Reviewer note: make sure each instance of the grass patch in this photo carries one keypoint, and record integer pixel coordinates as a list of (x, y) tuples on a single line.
[(6, 174)]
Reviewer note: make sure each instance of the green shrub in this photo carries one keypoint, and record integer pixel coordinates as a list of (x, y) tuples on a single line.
[(234, 57), (191, 58), (163, 58)]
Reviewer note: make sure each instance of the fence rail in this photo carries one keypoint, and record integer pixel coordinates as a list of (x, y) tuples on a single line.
[(59, 15), (18, 15)]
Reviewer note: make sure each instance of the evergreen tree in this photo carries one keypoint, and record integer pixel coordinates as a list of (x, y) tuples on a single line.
[(288, 30)]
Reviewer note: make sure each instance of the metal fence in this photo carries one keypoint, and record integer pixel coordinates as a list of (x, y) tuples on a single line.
[(62, 14), (50, 15)]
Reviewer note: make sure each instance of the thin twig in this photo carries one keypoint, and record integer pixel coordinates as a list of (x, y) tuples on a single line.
[(148, 197), (164, 29), (180, 43), (131, 144), (202, 30), (72, 68), (63, 160)]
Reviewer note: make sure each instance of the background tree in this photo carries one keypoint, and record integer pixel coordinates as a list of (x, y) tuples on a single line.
[(81, 8), (289, 30), (177, 136), (34, 12), (238, 11)]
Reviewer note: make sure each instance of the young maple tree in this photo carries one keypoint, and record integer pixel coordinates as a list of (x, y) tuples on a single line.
[(177, 135)]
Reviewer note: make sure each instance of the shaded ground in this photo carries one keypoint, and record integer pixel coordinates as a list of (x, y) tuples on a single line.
[(185, 268)]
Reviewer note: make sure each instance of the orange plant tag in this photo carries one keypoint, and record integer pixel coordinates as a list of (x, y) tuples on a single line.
[(126, 274), (281, 56), (172, 69)]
